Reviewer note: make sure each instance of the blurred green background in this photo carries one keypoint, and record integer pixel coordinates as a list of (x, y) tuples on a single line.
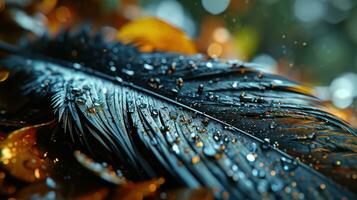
[(311, 41)]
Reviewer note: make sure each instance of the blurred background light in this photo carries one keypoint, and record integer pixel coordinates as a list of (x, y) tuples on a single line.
[(214, 50), (343, 5), (265, 63), (215, 6), (309, 41), (343, 89), (172, 12), (221, 35), (309, 11)]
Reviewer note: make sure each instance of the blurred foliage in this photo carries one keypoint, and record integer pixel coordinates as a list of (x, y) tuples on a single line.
[(315, 47), (313, 42)]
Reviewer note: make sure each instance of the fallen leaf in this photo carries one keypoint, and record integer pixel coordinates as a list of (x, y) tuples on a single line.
[(4, 74), (22, 158), (52, 189), (152, 34), (102, 170), (137, 191)]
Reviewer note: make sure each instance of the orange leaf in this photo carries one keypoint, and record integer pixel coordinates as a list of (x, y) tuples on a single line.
[(22, 158), (105, 172), (4, 74), (152, 34), (137, 191)]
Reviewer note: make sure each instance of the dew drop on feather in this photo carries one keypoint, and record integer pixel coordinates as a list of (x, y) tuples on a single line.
[(118, 79), (251, 157), (209, 151), (128, 72), (154, 112), (77, 65), (288, 164), (148, 67), (175, 149), (113, 69), (179, 82), (200, 89)]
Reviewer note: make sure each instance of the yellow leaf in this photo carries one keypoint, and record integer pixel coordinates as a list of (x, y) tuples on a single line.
[(152, 34), (4, 74)]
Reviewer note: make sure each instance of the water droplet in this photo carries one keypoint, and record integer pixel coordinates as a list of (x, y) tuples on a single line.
[(97, 104), (251, 157), (272, 125), (172, 68), (200, 89), (92, 110), (263, 186), (242, 97), (154, 112), (165, 129), (337, 163), (209, 65), (235, 84), (194, 136), (118, 79), (76, 91), (276, 186), (234, 63), (174, 91), (209, 151), (50, 182), (266, 144), (128, 72), (199, 144), (322, 186), (217, 136), (131, 107), (311, 136), (226, 139), (169, 138), (179, 82), (77, 65), (80, 100), (288, 164), (113, 69), (175, 148), (155, 83), (173, 115), (195, 159), (143, 105), (205, 121), (148, 67), (192, 64)]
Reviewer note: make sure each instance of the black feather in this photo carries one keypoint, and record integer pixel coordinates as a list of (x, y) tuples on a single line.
[(197, 122)]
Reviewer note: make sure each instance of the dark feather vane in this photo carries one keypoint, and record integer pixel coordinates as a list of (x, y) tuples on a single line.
[(195, 121)]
